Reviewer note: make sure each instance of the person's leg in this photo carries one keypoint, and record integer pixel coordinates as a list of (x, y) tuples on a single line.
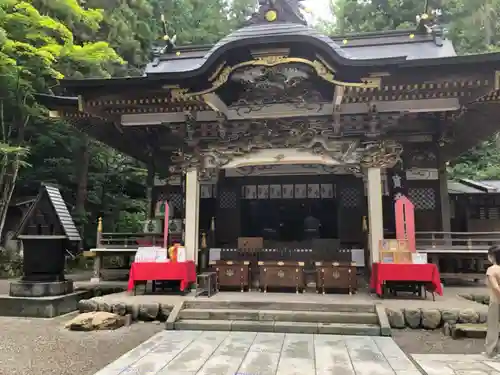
[(493, 330)]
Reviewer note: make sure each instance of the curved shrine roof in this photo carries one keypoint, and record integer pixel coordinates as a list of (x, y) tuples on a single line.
[(401, 45)]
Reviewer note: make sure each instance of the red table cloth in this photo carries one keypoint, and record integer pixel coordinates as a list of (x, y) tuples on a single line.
[(183, 271), (423, 273)]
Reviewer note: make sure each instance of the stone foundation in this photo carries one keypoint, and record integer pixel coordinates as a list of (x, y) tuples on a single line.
[(147, 312), (40, 289), (432, 318), (41, 307)]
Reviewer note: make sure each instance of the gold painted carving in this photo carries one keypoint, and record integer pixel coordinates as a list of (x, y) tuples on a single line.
[(322, 70)]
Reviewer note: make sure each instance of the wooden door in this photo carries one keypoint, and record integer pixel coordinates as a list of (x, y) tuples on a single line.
[(227, 222), (351, 203)]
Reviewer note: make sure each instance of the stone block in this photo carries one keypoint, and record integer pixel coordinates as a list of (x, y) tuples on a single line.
[(413, 317), (431, 318), (40, 289), (396, 318), (349, 329), (203, 325), (252, 326), (43, 307), (295, 327)]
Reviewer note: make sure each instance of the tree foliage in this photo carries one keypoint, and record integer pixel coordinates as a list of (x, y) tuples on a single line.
[(473, 27), (42, 41)]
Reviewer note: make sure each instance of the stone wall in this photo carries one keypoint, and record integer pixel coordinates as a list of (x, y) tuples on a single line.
[(144, 312), (433, 318)]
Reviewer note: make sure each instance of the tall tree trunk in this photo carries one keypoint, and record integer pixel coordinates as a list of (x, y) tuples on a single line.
[(83, 160), (11, 161)]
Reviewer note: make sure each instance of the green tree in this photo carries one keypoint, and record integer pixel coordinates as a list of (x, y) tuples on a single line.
[(36, 50)]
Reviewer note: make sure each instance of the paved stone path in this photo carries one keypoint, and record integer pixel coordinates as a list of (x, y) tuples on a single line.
[(249, 353), (457, 364)]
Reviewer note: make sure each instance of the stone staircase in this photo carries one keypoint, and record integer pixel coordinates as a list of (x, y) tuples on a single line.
[(283, 317)]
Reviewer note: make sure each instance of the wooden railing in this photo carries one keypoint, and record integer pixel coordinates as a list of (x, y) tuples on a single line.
[(456, 242), (128, 241)]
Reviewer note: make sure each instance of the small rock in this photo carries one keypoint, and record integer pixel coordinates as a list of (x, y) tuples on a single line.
[(127, 320), (431, 319), (87, 305), (133, 310), (413, 317), (96, 320), (446, 329), (103, 306), (468, 316), (164, 312), (469, 297), (483, 317), (450, 315), (119, 308), (396, 318), (149, 311)]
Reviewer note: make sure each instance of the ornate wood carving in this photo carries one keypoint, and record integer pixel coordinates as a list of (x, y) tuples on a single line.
[(314, 136)]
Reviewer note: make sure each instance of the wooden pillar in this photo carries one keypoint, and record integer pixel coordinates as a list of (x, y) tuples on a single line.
[(375, 214), (192, 209), (444, 198), (96, 276)]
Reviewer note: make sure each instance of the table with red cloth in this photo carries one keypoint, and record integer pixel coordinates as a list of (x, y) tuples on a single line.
[(426, 274), (185, 272)]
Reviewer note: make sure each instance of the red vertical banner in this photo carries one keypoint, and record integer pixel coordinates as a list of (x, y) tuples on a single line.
[(405, 221), (165, 226)]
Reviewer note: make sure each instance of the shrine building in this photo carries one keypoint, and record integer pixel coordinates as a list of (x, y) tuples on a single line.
[(277, 122)]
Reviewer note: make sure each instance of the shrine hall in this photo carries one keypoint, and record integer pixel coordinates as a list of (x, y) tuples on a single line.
[(291, 139)]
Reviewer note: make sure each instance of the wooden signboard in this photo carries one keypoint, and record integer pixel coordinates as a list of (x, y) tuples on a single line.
[(405, 221)]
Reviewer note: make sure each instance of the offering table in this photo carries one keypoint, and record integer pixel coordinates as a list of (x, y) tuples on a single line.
[(281, 275), (335, 275), (232, 274)]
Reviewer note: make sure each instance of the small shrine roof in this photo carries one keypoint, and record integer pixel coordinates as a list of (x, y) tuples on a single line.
[(54, 196)]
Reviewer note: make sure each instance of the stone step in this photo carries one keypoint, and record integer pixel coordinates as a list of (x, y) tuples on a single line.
[(280, 327), (279, 315), (287, 306)]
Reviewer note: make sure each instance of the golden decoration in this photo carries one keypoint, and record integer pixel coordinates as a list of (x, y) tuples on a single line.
[(99, 225), (336, 274), (180, 94), (344, 41), (177, 53), (272, 60), (412, 36), (271, 15)]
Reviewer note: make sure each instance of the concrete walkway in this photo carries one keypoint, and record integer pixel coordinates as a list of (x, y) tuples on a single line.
[(249, 353), (457, 364)]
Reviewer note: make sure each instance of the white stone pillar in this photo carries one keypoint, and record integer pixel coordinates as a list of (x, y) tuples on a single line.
[(192, 215), (375, 213)]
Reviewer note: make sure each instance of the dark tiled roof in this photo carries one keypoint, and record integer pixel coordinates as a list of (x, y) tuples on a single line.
[(369, 46)]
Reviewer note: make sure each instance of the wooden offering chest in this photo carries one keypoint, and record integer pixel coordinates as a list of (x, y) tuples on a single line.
[(232, 274), (335, 275), (281, 275)]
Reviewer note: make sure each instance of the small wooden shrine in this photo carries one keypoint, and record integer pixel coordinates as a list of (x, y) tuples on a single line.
[(48, 233)]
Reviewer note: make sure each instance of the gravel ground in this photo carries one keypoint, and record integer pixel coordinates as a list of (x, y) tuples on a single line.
[(43, 346), (434, 342)]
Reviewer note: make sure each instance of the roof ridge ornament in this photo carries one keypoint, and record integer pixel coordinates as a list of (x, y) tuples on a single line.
[(169, 41), (278, 11), (430, 22)]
